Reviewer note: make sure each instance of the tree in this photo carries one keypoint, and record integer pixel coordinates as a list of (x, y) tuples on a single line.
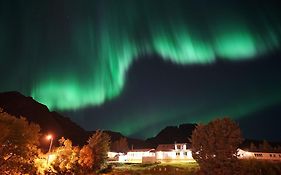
[(66, 157), (86, 158), (214, 146), (99, 144), (253, 147), (265, 146), (18, 144), (4, 132), (62, 160), (120, 145)]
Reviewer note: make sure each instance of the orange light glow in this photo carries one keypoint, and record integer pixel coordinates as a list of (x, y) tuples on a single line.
[(49, 137)]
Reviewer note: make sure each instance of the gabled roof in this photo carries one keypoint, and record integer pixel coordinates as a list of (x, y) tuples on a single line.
[(165, 147), (169, 147), (142, 150)]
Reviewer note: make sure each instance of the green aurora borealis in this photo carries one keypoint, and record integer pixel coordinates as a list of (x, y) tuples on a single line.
[(71, 55)]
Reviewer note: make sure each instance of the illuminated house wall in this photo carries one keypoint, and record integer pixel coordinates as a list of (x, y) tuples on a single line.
[(139, 155), (242, 154), (173, 152), (163, 153), (182, 153), (111, 155)]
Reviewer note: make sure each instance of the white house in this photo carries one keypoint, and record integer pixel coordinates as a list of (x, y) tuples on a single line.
[(178, 152), (141, 156), (243, 154), (117, 157), (112, 155)]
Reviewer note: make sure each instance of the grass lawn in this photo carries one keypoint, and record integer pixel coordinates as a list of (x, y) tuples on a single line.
[(155, 169), (189, 168)]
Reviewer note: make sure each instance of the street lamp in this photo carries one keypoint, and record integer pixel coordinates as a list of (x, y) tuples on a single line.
[(49, 137)]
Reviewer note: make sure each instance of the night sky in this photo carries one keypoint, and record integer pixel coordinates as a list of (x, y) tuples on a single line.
[(136, 66)]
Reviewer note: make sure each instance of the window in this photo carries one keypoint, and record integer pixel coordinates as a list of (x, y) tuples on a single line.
[(185, 153), (177, 154), (258, 155)]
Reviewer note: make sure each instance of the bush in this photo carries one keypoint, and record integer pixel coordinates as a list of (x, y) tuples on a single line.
[(249, 167), (214, 147)]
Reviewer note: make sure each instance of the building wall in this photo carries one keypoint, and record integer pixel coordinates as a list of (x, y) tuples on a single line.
[(136, 157), (184, 155), (176, 156), (258, 155)]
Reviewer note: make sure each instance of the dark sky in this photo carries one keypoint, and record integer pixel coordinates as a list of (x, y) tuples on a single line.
[(136, 66), (159, 93)]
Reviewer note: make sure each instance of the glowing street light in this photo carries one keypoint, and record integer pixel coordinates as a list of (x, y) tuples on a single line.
[(49, 137)]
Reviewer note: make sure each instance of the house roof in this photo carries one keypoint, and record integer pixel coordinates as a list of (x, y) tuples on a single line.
[(165, 147), (143, 150), (169, 147)]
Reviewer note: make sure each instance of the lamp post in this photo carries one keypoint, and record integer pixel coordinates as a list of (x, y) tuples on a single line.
[(49, 137)]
